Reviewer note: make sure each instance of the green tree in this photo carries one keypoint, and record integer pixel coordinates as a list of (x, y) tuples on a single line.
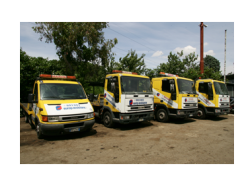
[(131, 62), (77, 43), (31, 67), (151, 73), (212, 63), (174, 65)]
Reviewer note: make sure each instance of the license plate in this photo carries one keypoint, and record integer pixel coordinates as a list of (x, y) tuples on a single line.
[(75, 129), (190, 115), (140, 119)]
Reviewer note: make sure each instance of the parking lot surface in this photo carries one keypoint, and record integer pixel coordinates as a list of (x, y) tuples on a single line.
[(190, 141)]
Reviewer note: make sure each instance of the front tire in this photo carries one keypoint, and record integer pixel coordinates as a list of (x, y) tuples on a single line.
[(162, 115), (107, 120), (38, 132), (201, 113)]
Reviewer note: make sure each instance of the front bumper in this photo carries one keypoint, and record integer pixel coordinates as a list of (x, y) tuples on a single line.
[(223, 111), (58, 129), (134, 117), (183, 113)]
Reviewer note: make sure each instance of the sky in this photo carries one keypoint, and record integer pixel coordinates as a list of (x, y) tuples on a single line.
[(154, 39)]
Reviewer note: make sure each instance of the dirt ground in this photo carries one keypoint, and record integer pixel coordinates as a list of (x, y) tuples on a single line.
[(189, 141)]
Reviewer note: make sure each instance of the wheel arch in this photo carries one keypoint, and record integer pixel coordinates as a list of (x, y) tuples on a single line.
[(203, 107), (160, 106)]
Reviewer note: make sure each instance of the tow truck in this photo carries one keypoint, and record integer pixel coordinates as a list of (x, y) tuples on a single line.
[(174, 96), (58, 105), (213, 98), (127, 98)]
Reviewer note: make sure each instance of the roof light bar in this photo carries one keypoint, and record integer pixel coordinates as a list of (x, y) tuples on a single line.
[(126, 72), (57, 76), (168, 74)]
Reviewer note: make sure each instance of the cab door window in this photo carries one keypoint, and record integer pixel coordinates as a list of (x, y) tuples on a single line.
[(203, 88), (166, 86)]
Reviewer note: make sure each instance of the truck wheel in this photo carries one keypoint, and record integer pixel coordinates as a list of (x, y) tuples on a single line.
[(38, 132), (107, 120), (26, 118), (201, 113), (30, 122), (162, 115)]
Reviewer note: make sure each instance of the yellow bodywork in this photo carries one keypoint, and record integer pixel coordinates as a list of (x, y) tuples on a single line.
[(157, 85), (215, 96), (101, 101), (41, 103)]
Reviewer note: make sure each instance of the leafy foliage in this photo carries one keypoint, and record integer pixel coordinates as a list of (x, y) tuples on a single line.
[(212, 63), (31, 67), (77, 43), (188, 66), (131, 62)]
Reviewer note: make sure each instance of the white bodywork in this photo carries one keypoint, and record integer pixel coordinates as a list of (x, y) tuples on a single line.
[(168, 101), (189, 102), (131, 104), (223, 101), (205, 100), (68, 108)]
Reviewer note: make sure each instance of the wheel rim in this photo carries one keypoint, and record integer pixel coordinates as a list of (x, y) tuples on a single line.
[(37, 129), (106, 120), (199, 113), (162, 115)]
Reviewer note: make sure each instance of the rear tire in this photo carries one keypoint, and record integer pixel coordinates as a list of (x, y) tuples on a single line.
[(26, 118), (107, 120), (162, 115), (30, 122), (201, 113)]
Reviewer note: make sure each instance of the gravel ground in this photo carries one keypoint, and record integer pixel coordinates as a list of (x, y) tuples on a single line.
[(190, 141)]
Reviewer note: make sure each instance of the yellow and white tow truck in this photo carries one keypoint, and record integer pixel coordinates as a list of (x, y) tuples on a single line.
[(58, 105), (213, 98), (127, 98), (174, 96)]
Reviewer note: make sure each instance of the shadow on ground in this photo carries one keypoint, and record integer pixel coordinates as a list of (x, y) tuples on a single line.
[(70, 136), (125, 127), (180, 121)]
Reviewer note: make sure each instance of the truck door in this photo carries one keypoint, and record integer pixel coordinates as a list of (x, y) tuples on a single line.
[(169, 95), (111, 98)]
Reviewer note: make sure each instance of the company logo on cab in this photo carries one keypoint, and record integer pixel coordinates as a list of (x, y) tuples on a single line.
[(130, 102), (58, 107)]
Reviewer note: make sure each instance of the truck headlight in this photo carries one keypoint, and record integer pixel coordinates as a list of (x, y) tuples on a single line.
[(125, 117), (217, 111), (180, 112), (53, 118), (90, 115)]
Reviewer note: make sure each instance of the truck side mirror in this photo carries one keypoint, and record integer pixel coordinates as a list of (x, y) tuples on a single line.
[(31, 98), (172, 88), (91, 97), (113, 87)]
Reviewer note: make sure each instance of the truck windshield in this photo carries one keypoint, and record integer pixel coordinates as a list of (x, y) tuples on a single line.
[(186, 86), (220, 88), (55, 91), (135, 85)]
